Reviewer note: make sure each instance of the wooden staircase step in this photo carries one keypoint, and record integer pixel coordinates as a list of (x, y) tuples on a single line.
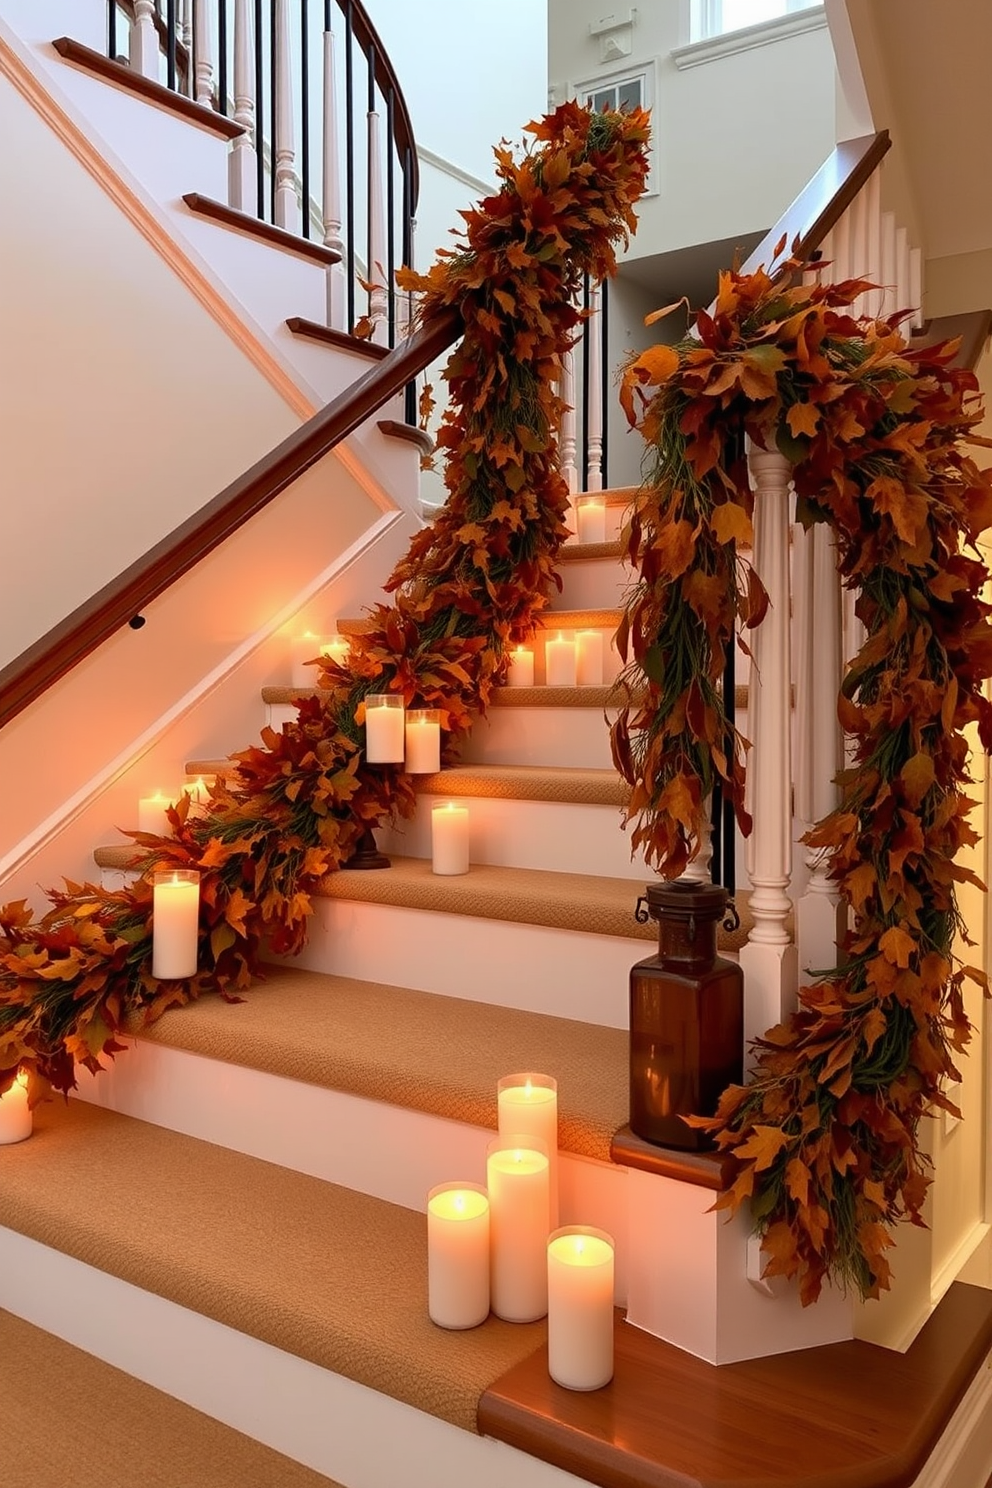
[(416, 1050), (576, 552), (606, 619), (509, 697), (102, 1428), (326, 1274), (132, 81)]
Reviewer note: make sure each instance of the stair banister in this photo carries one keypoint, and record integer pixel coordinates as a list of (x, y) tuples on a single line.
[(55, 654)]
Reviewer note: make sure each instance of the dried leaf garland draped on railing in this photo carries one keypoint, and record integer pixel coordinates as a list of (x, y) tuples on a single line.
[(827, 1135), (473, 582)]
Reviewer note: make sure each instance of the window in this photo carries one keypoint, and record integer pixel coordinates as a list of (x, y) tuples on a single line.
[(717, 17), (626, 94)]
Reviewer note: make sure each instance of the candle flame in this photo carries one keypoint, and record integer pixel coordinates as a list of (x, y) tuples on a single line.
[(579, 1245), (527, 1087), (22, 1079), (459, 1201), (518, 1156)]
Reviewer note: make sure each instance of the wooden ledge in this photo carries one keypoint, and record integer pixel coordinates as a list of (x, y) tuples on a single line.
[(254, 227), (314, 331), (133, 82), (395, 429), (714, 1170), (848, 1415)]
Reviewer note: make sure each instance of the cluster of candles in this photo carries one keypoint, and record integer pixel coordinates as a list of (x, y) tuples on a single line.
[(569, 661), (152, 809), (307, 649), (499, 1249)]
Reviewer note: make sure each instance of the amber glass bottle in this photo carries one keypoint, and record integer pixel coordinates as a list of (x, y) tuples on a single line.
[(686, 1017)]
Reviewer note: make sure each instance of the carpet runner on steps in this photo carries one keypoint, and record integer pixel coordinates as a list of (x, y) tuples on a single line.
[(439, 1055), (71, 1421), (598, 619), (322, 1272)]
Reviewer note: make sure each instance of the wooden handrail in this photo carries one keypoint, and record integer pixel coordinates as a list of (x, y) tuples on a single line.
[(74, 638)]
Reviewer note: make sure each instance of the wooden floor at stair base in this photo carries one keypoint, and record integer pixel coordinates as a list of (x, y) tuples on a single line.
[(324, 1273), (71, 1421), (440, 1055), (848, 1415)]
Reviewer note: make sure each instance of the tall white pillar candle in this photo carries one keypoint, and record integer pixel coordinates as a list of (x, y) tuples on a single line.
[(559, 662), (152, 814), (16, 1120), (520, 672), (303, 653), (517, 1179), (580, 1308), (175, 922), (528, 1103), (449, 840), (590, 512), (589, 658), (423, 741), (458, 1255), (384, 728)]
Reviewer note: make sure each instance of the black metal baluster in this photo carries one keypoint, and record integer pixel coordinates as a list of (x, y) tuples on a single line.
[(222, 57), (390, 222), (170, 44), (112, 30), (410, 413), (274, 126), (305, 111), (349, 163), (259, 112), (584, 472), (604, 301), (729, 820)]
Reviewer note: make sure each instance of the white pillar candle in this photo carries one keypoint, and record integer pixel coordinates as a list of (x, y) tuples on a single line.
[(198, 797), (16, 1120), (580, 1308), (520, 672), (303, 651), (517, 1179), (589, 658), (175, 922), (449, 840), (590, 512), (152, 814), (458, 1255), (336, 648), (559, 662), (528, 1103), (384, 728), (423, 741)]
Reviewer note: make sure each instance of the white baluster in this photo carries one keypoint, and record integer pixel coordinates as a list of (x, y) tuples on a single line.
[(337, 289), (872, 194), (204, 81), (567, 442), (858, 214), (903, 291), (889, 262), (916, 289), (287, 208), (699, 870), (378, 294), (769, 958), (242, 163), (840, 250), (594, 382), (144, 40)]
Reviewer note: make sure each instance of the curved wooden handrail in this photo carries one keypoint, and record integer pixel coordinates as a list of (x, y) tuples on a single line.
[(368, 40), (74, 638)]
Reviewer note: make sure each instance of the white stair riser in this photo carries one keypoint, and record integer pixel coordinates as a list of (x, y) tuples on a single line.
[(559, 836), (562, 972), (573, 737), (592, 583), (333, 1425)]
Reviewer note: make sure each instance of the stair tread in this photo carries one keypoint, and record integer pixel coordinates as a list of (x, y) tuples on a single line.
[(417, 1050), (320, 1271), (60, 1436), (576, 786), (597, 619), (503, 697), (573, 552)]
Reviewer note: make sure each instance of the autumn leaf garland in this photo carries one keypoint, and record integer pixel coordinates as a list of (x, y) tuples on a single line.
[(827, 1135)]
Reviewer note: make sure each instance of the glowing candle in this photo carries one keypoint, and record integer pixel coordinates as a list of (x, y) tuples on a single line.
[(580, 1308), (589, 658), (384, 728), (16, 1120), (198, 797), (449, 840), (336, 648), (520, 672), (423, 741), (590, 512), (517, 1179), (528, 1103), (559, 662), (152, 814), (458, 1255), (303, 652), (175, 922)]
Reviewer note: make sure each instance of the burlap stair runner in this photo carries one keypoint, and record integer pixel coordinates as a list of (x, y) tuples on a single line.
[(416, 1050), (607, 619), (576, 552), (332, 1276), (71, 1421)]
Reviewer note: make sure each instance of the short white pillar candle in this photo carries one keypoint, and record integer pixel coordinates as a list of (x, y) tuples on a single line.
[(175, 923), (336, 648), (458, 1255), (590, 514), (517, 1179), (589, 658), (303, 653), (16, 1119), (580, 1308), (559, 661), (152, 814), (384, 728), (528, 1103), (520, 672), (423, 741), (449, 840), (199, 797)]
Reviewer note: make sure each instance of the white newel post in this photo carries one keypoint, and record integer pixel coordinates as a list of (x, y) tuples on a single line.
[(287, 209), (379, 293), (594, 382), (241, 163), (337, 296), (566, 452), (203, 82), (143, 49), (769, 958)]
